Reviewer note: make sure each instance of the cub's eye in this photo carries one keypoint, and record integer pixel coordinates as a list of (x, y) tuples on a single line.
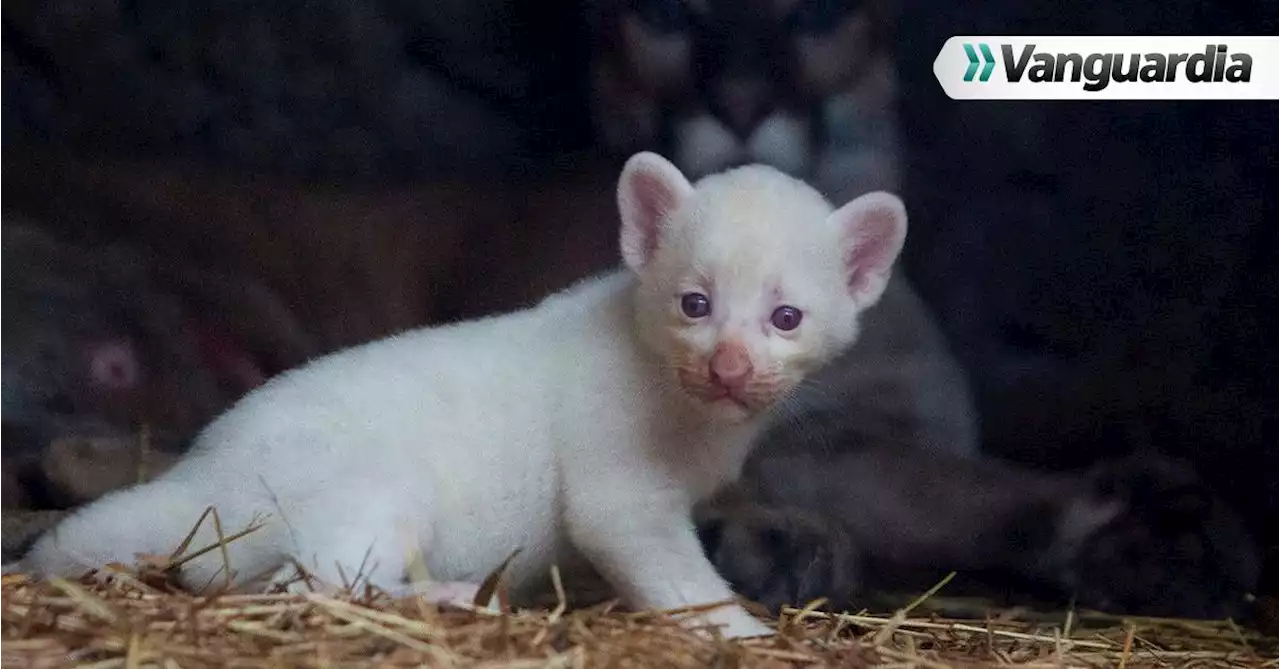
[(818, 17), (786, 318), (663, 17), (695, 305)]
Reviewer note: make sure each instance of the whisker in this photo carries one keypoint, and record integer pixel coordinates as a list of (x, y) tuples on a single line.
[(799, 416)]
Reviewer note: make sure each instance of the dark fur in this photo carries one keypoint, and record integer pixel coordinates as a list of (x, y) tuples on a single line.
[(1139, 536), (778, 555), (352, 262), (658, 63), (1177, 549), (185, 342)]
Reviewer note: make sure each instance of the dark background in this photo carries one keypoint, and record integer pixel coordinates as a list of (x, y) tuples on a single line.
[(1106, 271)]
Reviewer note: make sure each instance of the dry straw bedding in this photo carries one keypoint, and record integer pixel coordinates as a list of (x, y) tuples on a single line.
[(137, 617), (130, 618)]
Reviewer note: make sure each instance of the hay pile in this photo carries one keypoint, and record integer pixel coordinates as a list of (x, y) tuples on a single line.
[(130, 619)]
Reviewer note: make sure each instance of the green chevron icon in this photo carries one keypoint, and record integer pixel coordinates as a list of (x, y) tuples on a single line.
[(987, 58)]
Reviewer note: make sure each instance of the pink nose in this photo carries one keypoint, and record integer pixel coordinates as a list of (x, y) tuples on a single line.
[(730, 365)]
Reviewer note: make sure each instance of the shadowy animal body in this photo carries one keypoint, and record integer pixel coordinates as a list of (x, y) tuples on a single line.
[(102, 342), (807, 86), (1136, 535)]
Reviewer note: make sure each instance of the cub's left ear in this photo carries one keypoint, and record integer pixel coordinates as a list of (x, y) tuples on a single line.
[(873, 228)]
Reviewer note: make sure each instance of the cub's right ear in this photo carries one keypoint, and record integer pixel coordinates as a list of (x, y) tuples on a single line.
[(649, 190)]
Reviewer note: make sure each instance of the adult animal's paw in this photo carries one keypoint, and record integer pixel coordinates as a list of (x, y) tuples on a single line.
[(1175, 548), (777, 556)]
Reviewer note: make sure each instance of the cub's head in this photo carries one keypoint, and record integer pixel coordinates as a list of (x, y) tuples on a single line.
[(716, 83), (749, 279)]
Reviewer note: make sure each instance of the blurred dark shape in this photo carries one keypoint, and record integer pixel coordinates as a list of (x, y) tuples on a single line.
[(1177, 549), (20, 530), (353, 263), (806, 86), (780, 556), (1140, 535), (100, 342)]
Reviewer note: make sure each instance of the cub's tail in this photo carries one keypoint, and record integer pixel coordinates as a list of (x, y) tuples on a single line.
[(154, 519)]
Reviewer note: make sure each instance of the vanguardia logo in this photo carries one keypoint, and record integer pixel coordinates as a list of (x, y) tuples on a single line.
[(1098, 70), (1109, 67), (988, 62)]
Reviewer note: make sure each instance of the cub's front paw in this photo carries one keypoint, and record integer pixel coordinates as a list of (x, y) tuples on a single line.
[(1174, 549), (457, 594), (734, 622), (779, 557), (747, 628)]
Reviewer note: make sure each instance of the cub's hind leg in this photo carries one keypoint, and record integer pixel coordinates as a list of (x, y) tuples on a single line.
[(341, 541), (340, 544)]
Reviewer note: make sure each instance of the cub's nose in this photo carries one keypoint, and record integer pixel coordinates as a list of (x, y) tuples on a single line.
[(730, 365)]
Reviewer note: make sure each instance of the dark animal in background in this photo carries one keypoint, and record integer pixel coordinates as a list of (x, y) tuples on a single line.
[(807, 86), (113, 358), (1139, 535)]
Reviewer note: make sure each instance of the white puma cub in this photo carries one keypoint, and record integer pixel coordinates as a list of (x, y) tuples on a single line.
[(584, 427)]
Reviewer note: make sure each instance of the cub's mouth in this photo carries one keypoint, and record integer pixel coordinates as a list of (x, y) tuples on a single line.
[(732, 377), (751, 398), (729, 398)]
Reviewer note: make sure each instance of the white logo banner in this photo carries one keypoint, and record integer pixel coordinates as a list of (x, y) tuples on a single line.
[(1109, 68)]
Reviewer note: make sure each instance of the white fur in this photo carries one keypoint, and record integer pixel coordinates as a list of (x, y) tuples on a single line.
[(561, 430)]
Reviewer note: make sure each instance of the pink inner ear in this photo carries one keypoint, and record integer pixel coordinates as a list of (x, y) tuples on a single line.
[(875, 240), (653, 199), (113, 364)]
